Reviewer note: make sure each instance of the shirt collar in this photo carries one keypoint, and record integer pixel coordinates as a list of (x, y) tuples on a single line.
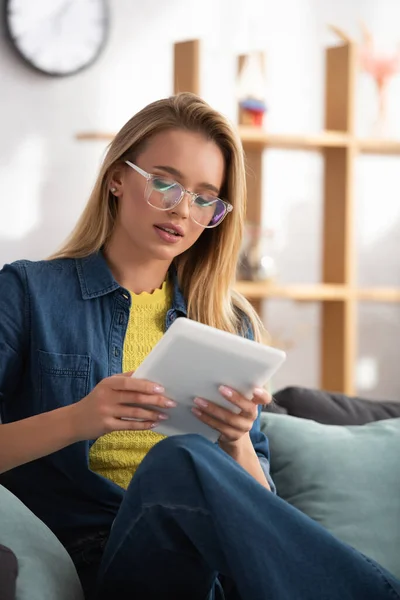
[(95, 279)]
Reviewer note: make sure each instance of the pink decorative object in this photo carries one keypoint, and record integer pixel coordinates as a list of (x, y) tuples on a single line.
[(382, 68)]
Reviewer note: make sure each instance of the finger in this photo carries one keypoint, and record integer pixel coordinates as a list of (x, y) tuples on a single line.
[(223, 415), (137, 398), (261, 396), (230, 433), (131, 384), (132, 412), (247, 407), (120, 425)]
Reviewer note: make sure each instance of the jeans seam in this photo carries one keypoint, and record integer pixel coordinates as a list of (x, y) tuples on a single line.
[(148, 506), (387, 583)]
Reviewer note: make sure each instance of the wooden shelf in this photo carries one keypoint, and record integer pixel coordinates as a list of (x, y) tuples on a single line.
[(252, 136), (315, 293), (97, 136), (310, 293), (377, 146), (378, 294)]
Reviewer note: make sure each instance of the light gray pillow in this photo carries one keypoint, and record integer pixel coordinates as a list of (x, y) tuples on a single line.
[(345, 477), (45, 569)]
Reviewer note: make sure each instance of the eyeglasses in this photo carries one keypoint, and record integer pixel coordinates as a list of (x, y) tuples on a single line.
[(164, 194)]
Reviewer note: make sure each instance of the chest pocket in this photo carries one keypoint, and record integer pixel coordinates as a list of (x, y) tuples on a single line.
[(64, 378)]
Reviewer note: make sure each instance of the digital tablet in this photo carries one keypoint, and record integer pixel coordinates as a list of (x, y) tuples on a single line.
[(192, 360)]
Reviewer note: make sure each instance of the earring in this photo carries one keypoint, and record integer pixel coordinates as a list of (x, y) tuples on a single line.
[(113, 190)]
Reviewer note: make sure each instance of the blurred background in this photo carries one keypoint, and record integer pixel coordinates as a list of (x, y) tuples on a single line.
[(46, 173)]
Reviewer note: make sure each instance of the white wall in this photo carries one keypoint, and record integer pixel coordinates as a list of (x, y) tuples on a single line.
[(46, 175)]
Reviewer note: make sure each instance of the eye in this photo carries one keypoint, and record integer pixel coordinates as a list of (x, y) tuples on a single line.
[(205, 201), (163, 185)]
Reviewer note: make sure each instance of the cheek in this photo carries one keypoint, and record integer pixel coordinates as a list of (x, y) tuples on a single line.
[(134, 206), (193, 234)]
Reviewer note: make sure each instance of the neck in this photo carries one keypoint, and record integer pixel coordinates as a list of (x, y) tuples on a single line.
[(134, 273)]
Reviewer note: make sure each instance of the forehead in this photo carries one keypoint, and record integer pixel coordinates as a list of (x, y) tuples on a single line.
[(196, 157)]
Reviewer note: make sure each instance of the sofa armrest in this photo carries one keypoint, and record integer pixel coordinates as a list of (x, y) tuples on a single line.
[(46, 571)]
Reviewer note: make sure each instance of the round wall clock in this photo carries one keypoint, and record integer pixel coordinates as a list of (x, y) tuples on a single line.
[(57, 37)]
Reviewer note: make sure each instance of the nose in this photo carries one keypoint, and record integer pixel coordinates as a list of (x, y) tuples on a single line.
[(183, 208)]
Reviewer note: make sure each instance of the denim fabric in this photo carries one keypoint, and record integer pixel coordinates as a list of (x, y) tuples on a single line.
[(192, 514), (62, 330), (86, 552)]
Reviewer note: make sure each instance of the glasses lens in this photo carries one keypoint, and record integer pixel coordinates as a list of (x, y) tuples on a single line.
[(208, 211), (163, 193)]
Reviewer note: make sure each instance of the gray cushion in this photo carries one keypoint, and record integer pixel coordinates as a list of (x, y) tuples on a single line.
[(345, 477), (333, 408), (46, 571)]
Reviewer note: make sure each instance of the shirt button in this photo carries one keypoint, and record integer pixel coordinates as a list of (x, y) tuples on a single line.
[(116, 351), (121, 319)]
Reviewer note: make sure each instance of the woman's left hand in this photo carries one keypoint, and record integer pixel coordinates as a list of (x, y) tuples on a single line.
[(231, 426)]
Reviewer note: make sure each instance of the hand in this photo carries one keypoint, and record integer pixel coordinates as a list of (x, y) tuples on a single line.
[(101, 411), (231, 426)]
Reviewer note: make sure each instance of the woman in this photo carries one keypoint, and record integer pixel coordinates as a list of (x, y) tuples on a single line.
[(159, 239)]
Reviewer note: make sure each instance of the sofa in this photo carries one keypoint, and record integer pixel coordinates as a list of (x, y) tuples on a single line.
[(333, 457)]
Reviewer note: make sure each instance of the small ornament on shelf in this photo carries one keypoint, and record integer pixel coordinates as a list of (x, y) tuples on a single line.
[(251, 89), (382, 67), (255, 261)]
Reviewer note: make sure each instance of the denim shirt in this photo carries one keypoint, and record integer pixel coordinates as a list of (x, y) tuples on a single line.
[(62, 330)]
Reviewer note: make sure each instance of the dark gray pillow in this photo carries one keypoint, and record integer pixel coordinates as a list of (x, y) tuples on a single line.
[(333, 408), (8, 573), (46, 570)]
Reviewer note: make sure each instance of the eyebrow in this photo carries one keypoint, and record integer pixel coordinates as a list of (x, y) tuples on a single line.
[(179, 175)]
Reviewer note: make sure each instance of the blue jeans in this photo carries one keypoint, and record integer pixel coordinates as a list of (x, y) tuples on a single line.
[(192, 515)]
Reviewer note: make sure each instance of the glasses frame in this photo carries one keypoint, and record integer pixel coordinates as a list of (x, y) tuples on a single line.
[(149, 177)]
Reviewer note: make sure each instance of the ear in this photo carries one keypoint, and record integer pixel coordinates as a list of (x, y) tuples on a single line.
[(116, 182)]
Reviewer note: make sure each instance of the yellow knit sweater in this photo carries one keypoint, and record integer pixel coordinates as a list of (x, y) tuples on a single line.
[(117, 455)]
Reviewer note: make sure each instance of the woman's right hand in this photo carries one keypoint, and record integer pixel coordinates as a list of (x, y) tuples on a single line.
[(101, 411)]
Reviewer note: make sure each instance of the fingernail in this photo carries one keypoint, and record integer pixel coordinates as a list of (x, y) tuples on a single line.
[(225, 391), (200, 402), (158, 389), (162, 417), (196, 412), (258, 391), (171, 404), (153, 425)]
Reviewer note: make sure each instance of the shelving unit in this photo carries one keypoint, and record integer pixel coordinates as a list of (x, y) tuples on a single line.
[(338, 292), (339, 146)]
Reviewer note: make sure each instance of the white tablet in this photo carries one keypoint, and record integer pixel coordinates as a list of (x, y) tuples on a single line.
[(192, 360)]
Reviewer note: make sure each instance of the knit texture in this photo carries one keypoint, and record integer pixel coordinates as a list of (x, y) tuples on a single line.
[(117, 455)]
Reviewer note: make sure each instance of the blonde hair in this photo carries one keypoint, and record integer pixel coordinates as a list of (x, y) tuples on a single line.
[(206, 271)]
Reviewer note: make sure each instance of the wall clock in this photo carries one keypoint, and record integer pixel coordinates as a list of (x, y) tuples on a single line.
[(57, 37)]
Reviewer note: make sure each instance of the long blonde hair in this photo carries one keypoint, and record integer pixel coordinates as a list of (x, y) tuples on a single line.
[(206, 271)]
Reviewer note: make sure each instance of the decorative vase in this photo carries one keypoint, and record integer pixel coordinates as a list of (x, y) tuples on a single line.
[(382, 67), (251, 89)]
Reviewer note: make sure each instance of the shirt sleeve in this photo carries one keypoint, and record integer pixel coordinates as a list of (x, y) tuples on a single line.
[(261, 446), (258, 438), (13, 327)]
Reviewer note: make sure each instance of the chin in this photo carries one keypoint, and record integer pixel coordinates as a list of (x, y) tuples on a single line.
[(165, 253)]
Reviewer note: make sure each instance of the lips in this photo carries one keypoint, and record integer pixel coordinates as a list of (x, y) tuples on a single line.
[(171, 228)]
